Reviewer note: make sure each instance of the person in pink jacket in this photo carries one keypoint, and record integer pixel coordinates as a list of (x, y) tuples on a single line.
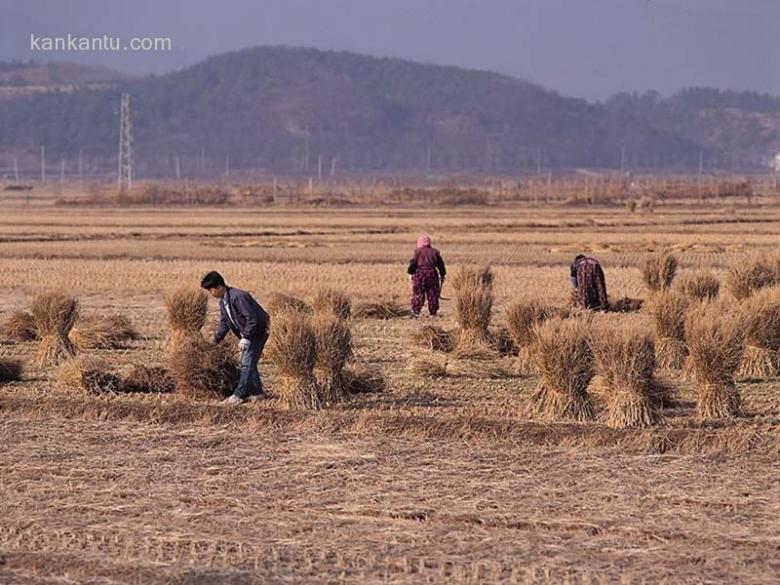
[(427, 273)]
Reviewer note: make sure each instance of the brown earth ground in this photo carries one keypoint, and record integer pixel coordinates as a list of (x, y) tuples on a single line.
[(436, 480)]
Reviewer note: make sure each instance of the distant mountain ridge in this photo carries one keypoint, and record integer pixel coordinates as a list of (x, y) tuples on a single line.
[(292, 109)]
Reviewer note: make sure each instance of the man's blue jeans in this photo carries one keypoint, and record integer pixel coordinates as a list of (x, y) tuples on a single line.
[(249, 382)]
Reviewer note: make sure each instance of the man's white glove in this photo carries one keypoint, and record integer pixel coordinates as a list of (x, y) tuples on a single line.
[(244, 344)]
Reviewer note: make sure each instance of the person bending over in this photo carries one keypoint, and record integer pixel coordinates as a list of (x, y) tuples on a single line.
[(242, 315)]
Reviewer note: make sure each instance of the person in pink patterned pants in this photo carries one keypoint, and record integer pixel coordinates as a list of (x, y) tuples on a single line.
[(427, 273)]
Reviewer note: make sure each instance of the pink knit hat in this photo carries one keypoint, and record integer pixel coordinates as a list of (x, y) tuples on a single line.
[(423, 241)]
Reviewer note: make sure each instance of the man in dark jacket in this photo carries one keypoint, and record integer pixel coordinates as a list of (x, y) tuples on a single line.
[(241, 314)]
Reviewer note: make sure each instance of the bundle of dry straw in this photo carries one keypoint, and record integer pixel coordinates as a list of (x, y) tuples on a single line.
[(202, 369), (434, 338), (148, 379), (523, 319), (759, 316), (293, 349), (103, 332), (333, 302), (716, 344), (667, 310), (364, 379), (624, 361), (384, 310), (625, 305), (334, 349), (88, 375), (748, 275), (54, 315), (562, 356), (281, 302), (20, 326), (473, 307), (659, 269), (187, 310), (700, 286)]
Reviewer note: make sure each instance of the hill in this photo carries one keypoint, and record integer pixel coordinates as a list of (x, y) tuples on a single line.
[(281, 108)]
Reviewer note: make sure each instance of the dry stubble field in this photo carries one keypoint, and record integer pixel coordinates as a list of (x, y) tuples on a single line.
[(436, 480)]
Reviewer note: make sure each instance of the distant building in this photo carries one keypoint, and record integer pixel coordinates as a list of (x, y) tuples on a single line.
[(777, 163)]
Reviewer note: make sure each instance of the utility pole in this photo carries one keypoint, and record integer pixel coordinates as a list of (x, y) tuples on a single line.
[(62, 171), (306, 148), (538, 161), (177, 164), (428, 157), (319, 167), (332, 166), (622, 160), (43, 163), (16, 170), (125, 162), (202, 158), (701, 162), (227, 165), (81, 167)]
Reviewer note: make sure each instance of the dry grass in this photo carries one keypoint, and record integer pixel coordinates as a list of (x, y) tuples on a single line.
[(715, 341), (332, 301), (667, 309), (187, 310), (20, 326), (103, 332), (658, 270), (383, 310), (479, 369), (201, 369), (625, 360), (54, 315), (430, 366), (434, 338), (148, 379), (562, 356), (473, 307), (334, 349), (280, 302), (88, 375), (453, 449), (700, 286), (759, 315), (293, 348), (750, 274)]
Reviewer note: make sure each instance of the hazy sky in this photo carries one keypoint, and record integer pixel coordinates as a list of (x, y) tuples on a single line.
[(589, 48)]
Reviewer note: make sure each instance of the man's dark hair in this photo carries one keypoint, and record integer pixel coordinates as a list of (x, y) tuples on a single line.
[(212, 280), (579, 257)]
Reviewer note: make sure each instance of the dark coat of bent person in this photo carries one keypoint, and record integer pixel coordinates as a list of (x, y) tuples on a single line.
[(590, 288), (242, 315), (427, 273)]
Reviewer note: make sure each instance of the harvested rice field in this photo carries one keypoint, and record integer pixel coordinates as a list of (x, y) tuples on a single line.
[(462, 465)]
